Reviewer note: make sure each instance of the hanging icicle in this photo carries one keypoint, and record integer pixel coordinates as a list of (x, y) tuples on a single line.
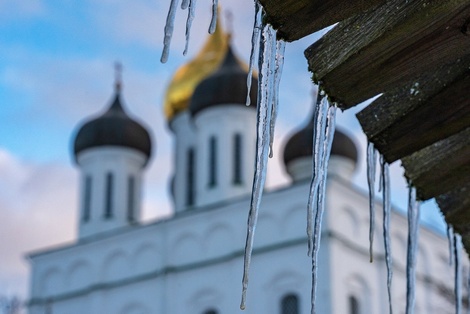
[(254, 48), (386, 227), (413, 232), (320, 197), (189, 23), (266, 63), (213, 25), (279, 63), (169, 27), (319, 131), (450, 240), (371, 166), (458, 273)]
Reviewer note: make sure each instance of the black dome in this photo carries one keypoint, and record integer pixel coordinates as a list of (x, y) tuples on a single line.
[(113, 128), (301, 145), (227, 85)]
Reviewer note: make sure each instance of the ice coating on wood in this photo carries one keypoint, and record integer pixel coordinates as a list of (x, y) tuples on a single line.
[(266, 62), (279, 63), (320, 197), (169, 27), (254, 48), (189, 22), (319, 130), (458, 273), (450, 240), (213, 24), (386, 227), (413, 232), (371, 166)]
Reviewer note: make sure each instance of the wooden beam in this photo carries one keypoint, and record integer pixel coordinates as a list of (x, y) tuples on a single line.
[(427, 109), (455, 205), (373, 52), (441, 167), (295, 19)]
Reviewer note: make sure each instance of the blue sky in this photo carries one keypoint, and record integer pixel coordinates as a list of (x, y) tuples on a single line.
[(56, 68)]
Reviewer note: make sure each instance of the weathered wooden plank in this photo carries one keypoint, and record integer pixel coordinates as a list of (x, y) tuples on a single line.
[(294, 19), (440, 167), (455, 205), (427, 109), (373, 52)]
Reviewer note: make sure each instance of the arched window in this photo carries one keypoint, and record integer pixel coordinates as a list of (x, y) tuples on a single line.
[(353, 305), (108, 210), (237, 159), (87, 200), (212, 161), (290, 304), (210, 312), (190, 177), (131, 199)]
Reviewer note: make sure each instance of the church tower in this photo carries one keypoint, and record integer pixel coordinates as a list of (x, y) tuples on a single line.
[(111, 151), (214, 130)]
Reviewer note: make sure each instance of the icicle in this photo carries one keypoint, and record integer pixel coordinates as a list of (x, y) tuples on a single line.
[(169, 26), (413, 229), (386, 227), (279, 63), (319, 121), (320, 196), (189, 22), (371, 166), (254, 46), (213, 24), (185, 4), (264, 108), (450, 239), (458, 273)]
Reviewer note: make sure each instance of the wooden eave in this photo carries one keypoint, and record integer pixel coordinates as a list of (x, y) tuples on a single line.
[(416, 55)]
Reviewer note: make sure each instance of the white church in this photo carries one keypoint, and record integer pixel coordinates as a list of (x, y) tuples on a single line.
[(192, 262)]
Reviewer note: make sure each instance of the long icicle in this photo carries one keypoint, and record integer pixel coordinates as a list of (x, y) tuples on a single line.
[(413, 233), (371, 166), (450, 239), (266, 60), (327, 143), (169, 27), (386, 228), (254, 48), (279, 64), (189, 23), (458, 273), (319, 128), (185, 4), (213, 25)]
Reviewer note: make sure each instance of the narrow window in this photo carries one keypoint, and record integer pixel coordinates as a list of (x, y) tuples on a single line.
[(237, 159), (353, 305), (87, 200), (109, 196), (190, 177), (212, 162), (130, 199), (290, 304)]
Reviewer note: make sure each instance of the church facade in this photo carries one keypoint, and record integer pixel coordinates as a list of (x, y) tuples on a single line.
[(193, 261)]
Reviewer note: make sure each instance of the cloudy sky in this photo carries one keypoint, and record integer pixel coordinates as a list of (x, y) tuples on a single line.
[(56, 68)]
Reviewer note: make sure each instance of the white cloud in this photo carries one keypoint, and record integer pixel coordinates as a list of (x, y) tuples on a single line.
[(38, 208)]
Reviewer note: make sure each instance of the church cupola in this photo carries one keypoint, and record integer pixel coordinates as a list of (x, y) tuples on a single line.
[(111, 151), (298, 154)]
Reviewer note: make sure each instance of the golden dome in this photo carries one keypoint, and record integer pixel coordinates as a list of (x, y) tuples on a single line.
[(191, 74)]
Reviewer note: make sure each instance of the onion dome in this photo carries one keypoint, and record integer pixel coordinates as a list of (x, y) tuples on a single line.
[(227, 85), (188, 76), (113, 128), (301, 145)]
